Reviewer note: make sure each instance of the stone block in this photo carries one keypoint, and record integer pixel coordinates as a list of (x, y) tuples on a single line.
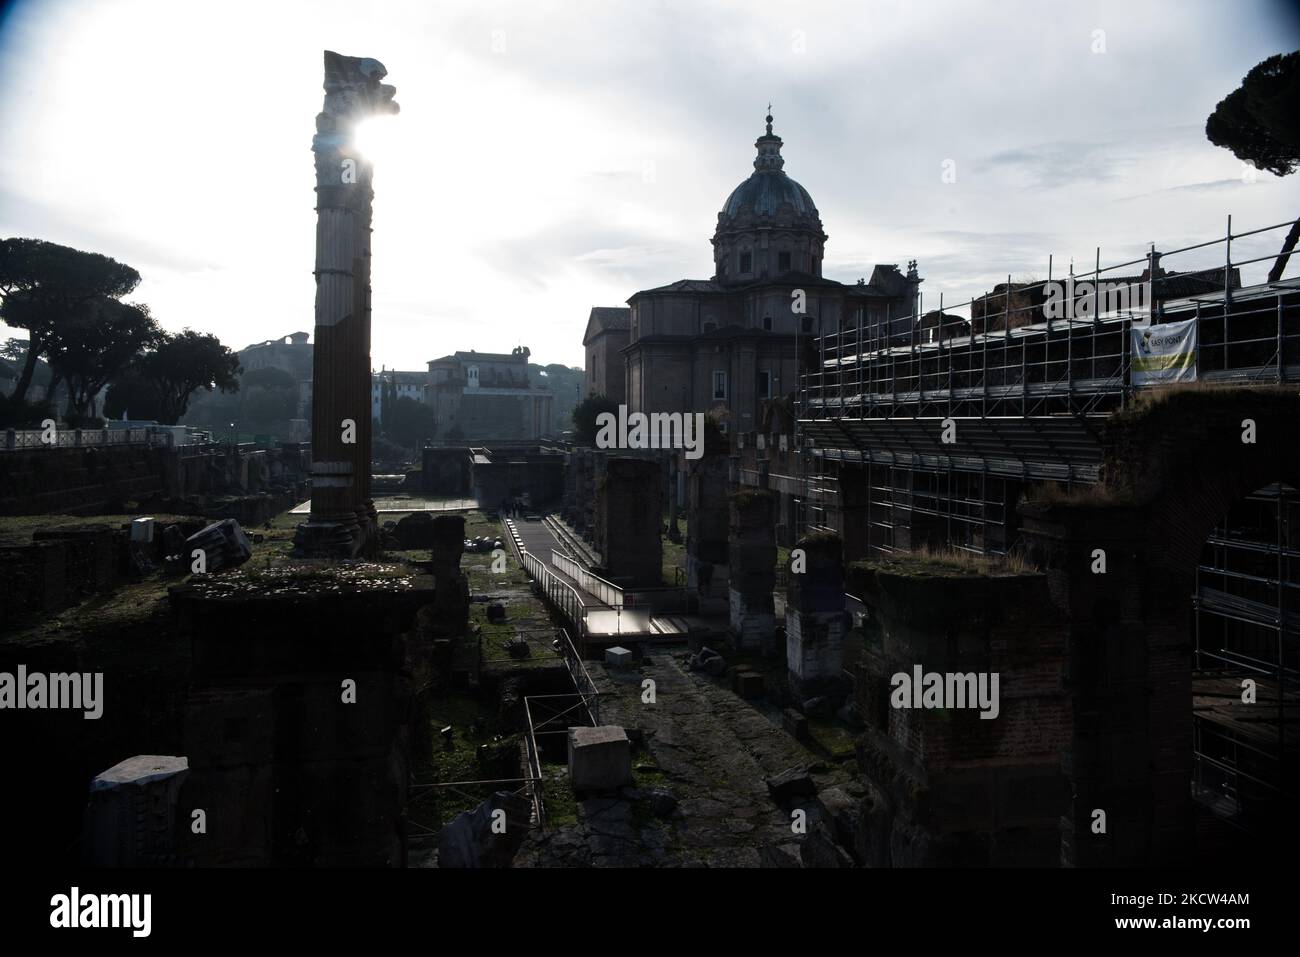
[(791, 784), (223, 543), (131, 814), (470, 839), (618, 657), (749, 684), (600, 758), (142, 530), (795, 724)]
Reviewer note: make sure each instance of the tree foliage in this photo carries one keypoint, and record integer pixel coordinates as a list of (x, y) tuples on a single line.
[(133, 396), (410, 423), (1260, 120), (95, 343), (585, 414), (184, 363), (48, 288)]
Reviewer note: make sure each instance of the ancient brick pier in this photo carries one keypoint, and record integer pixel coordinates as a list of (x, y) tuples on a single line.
[(752, 551), (950, 788), (294, 726), (629, 504), (707, 522), (814, 615)]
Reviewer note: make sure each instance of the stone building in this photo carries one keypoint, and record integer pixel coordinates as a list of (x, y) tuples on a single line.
[(606, 336), (479, 396), (401, 385), (292, 354), (730, 342)]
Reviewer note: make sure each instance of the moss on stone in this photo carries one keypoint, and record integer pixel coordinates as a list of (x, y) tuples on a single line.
[(751, 498), (925, 563)]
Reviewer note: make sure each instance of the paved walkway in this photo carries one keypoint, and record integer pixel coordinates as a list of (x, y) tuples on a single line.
[(539, 540), (394, 506), (710, 751)]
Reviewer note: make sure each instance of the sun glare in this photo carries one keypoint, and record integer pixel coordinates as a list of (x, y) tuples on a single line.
[(375, 138)]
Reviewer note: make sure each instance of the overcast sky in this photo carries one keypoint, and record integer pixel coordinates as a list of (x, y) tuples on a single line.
[(554, 156)]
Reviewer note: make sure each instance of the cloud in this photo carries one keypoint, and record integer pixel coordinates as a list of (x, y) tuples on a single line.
[(513, 193)]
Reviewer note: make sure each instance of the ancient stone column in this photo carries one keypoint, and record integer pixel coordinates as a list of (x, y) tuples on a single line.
[(814, 616), (343, 522), (752, 554)]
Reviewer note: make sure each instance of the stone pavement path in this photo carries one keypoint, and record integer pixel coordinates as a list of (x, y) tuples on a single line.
[(713, 751)]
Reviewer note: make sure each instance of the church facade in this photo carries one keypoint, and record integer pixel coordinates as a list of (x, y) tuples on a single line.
[(727, 344)]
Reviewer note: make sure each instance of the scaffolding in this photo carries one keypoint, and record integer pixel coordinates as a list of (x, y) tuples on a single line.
[(1026, 375), (1246, 613)]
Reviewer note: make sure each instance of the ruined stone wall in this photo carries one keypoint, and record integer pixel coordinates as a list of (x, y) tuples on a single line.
[(298, 774), (540, 476), (446, 471), (1174, 467), (96, 480), (950, 787), (80, 481), (54, 753)]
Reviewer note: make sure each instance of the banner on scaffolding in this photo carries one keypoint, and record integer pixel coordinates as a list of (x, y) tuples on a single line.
[(1164, 353)]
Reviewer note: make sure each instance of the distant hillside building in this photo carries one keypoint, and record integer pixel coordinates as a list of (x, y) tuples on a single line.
[(479, 396), (607, 334), (291, 354), (405, 385)]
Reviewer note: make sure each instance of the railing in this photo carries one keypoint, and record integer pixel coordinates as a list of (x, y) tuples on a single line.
[(581, 677), (164, 436), (560, 593), (604, 591), (551, 714), (529, 788), (1060, 345), (656, 600)]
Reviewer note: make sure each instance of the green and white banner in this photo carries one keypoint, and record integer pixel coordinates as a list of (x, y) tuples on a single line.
[(1164, 353)]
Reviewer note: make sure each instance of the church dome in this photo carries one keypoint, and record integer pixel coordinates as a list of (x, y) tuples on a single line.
[(769, 224), (764, 193)]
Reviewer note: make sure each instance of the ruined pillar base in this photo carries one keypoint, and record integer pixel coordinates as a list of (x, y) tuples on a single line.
[(716, 574), (327, 539), (814, 648), (752, 622)]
